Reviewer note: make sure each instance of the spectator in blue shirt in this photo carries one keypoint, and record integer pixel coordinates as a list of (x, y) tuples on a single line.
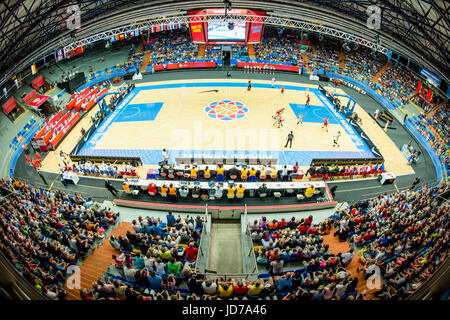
[(155, 281), (284, 283), (170, 220), (157, 230), (139, 261)]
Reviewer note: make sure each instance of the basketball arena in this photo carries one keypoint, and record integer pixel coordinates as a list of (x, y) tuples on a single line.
[(226, 150)]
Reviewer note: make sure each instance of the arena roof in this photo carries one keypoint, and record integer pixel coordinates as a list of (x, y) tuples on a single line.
[(418, 29)]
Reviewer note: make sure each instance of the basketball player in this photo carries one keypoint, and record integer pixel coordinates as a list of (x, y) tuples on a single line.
[(282, 89), (249, 85), (307, 100), (279, 112), (273, 82), (336, 139), (300, 118), (325, 124)]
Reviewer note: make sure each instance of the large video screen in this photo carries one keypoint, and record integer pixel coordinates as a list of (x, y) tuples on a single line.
[(226, 31)]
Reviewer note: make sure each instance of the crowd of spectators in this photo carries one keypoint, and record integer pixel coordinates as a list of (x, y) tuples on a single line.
[(404, 235), (435, 131), (396, 84), (43, 232), (153, 261), (172, 47), (278, 47), (212, 52), (360, 63), (298, 243)]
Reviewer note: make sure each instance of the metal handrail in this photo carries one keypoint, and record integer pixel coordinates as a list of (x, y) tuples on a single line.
[(202, 237)]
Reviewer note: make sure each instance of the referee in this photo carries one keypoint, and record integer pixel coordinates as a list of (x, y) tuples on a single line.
[(249, 88)]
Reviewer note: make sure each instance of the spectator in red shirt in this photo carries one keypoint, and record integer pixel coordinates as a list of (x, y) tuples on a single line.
[(240, 289), (191, 252), (282, 224), (303, 229), (152, 188)]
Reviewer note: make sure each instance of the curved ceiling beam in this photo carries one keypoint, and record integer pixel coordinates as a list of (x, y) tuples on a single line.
[(317, 11)]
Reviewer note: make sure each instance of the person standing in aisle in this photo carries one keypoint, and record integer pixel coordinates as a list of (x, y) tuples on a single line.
[(415, 183), (165, 156), (110, 187), (42, 177)]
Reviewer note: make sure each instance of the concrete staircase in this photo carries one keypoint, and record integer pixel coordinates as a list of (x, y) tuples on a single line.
[(437, 108), (140, 48), (201, 51), (226, 251), (251, 51), (341, 58), (306, 62), (382, 70), (146, 62), (97, 263)]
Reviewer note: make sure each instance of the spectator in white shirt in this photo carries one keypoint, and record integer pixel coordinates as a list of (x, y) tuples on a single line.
[(347, 257)]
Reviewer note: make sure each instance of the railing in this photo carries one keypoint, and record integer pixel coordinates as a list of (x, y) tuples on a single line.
[(229, 276), (202, 262), (248, 253)]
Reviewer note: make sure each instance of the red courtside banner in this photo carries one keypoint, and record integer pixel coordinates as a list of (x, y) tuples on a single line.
[(187, 65), (280, 67)]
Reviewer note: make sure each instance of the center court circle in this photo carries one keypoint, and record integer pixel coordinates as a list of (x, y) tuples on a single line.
[(226, 110)]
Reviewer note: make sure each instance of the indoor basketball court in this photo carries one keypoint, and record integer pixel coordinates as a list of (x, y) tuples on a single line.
[(221, 118)]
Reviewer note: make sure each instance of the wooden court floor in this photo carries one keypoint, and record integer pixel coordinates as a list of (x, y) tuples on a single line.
[(183, 123)]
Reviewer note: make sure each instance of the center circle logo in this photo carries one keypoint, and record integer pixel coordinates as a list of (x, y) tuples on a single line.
[(226, 110)]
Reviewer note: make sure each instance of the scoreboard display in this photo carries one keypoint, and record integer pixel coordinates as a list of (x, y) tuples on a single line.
[(226, 31)]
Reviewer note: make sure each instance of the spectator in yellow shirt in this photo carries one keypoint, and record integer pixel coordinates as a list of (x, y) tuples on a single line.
[(207, 173), (255, 289), (274, 173), (220, 171), (126, 186), (263, 173), (172, 192), (225, 289), (240, 190), (164, 190), (252, 175), (309, 191), (194, 171), (231, 191), (244, 174)]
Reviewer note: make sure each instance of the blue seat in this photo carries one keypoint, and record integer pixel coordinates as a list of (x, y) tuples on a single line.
[(264, 275)]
